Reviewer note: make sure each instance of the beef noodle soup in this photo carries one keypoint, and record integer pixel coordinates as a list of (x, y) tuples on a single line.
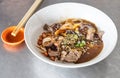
[(72, 41)]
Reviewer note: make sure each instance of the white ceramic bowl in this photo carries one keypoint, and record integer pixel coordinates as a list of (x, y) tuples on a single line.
[(61, 11)]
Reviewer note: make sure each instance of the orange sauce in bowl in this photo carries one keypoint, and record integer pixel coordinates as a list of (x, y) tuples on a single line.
[(12, 40)]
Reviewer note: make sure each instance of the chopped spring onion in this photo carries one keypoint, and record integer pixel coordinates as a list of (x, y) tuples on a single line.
[(80, 44)]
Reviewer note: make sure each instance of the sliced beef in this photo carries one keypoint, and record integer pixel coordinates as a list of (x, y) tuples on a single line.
[(70, 32), (53, 50), (71, 56), (100, 34), (52, 28), (55, 26), (90, 34), (63, 55), (53, 53), (47, 28)]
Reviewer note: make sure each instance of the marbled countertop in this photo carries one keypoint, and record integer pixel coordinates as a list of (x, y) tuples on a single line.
[(19, 62)]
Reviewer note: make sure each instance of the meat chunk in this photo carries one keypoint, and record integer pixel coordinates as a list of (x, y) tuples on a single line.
[(72, 56), (100, 34), (63, 55), (53, 53), (55, 26), (90, 34), (47, 28), (53, 50)]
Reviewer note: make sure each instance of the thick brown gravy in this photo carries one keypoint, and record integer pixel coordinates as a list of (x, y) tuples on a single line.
[(91, 53)]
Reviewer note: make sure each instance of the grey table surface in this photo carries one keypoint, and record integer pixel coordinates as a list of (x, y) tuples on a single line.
[(19, 62)]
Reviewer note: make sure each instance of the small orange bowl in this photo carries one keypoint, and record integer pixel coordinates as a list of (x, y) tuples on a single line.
[(7, 38)]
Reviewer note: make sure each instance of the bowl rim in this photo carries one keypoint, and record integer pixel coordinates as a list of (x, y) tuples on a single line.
[(75, 65)]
